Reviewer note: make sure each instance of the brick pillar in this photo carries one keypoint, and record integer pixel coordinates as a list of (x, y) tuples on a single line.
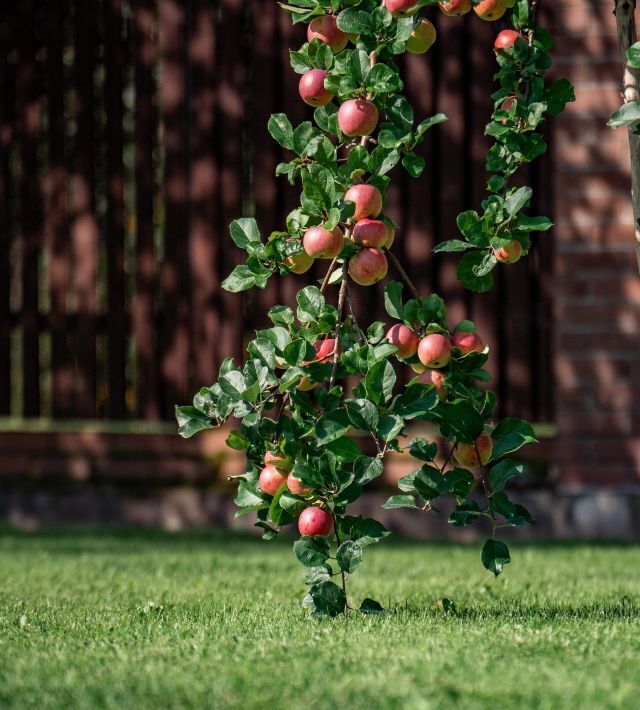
[(596, 288)]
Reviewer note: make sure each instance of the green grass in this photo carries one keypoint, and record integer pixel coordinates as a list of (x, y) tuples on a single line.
[(137, 620)]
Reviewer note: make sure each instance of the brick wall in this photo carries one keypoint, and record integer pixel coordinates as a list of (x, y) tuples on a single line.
[(596, 286)]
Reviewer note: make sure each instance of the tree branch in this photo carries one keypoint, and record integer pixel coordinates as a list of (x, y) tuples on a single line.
[(627, 35), (403, 273)]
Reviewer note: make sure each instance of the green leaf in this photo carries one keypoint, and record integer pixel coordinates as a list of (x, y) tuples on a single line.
[(461, 419), (331, 426), (452, 245), (280, 128), (494, 556), (423, 450), (400, 501), (534, 224), (467, 276), (389, 427), (470, 226), (503, 471), (244, 232), (393, 303), (327, 599), (362, 413), (465, 514), (353, 21), (240, 279), (627, 115), (237, 440), (310, 304), (310, 551), (371, 606), (633, 55), (345, 449), (248, 495), (486, 265), (367, 531), (349, 556), (413, 164), (517, 200), (366, 468), (379, 382), (191, 421), (510, 435)]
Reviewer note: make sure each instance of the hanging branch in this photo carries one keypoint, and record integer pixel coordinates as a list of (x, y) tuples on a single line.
[(627, 36)]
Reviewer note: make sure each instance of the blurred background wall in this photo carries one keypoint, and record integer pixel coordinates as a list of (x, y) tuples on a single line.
[(133, 131)]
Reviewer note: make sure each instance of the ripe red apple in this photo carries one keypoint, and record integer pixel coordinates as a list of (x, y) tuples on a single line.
[(491, 10), (402, 8), (434, 350), (325, 349), (422, 38), (367, 200), (358, 117), (370, 233), (467, 342), (466, 454), (271, 479), (315, 521), (509, 254), (368, 266), (311, 88), (455, 7), (299, 263), (296, 486), (325, 29), (505, 39), (322, 244), (404, 339), (391, 235), (438, 380), (280, 461)]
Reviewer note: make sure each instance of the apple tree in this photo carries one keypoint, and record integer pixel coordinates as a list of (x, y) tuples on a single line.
[(317, 403)]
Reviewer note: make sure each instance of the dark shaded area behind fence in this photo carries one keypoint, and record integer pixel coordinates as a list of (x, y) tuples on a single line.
[(133, 131)]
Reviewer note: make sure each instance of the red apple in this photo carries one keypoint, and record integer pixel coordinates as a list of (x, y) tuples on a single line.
[(434, 350), (467, 342), (325, 349), (367, 200), (311, 88), (391, 235), (509, 254), (271, 479), (280, 461), (325, 29), (402, 8), (358, 117), (368, 266), (299, 263), (491, 10), (455, 7), (422, 38), (467, 454), (315, 521), (370, 233), (438, 380), (505, 39), (322, 244), (296, 486), (404, 339)]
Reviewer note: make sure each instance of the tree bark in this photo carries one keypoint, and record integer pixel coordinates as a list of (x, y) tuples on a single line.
[(627, 35)]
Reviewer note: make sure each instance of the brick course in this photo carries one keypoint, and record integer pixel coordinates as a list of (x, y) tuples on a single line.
[(597, 287)]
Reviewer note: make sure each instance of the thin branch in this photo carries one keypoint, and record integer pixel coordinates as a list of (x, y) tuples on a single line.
[(403, 273), (361, 333), (533, 15), (342, 574), (327, 276), (341, 299)]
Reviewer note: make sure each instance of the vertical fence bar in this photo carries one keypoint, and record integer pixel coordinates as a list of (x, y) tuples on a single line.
[(172, 97), (144, 43), (7, 81), (56, 214), (114, 55), (84, 229), (28, 115)]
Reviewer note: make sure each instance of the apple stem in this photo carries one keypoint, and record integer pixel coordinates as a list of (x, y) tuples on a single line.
[(403, 273)]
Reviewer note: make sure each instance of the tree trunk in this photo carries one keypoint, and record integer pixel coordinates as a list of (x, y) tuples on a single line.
[(626, 24)]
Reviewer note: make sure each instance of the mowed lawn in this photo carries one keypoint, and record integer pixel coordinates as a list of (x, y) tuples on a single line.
[(150, 620)]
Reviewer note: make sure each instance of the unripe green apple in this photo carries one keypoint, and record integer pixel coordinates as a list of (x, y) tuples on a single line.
[(434, 350), (422, 37), (322, 244), (368, 266), (358, 117), (467, 454), (315, 521), (299, 263), (325, 28)]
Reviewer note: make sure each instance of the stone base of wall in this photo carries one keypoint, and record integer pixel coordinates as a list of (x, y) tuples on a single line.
[(576, 513)]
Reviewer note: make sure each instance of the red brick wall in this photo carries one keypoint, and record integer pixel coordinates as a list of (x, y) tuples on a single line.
[(596, 285)]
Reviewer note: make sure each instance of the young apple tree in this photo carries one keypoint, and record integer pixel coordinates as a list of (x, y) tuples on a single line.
[(312, 443)]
